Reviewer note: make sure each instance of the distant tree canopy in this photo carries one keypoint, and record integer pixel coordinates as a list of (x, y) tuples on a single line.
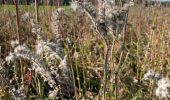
[(66, 2), (26, 2)]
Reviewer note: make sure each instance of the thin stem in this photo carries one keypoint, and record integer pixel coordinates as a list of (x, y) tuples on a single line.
[(17, 17), (105, 71), (125, 27), (77, 72), (116, 81), (36, 10), (117, 73), (116, 77), (76, 97)]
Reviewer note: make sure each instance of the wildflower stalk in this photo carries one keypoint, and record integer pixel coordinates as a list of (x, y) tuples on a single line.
[(36, 10), (116, 81), (109, 21), (124, 29), (116, 77), (4, 7), (73, 77), (105, 72), (72, 71), (119, 66), (77, 72), (17, 17)]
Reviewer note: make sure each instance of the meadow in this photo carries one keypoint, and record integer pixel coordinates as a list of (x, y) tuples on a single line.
[(65, 53)]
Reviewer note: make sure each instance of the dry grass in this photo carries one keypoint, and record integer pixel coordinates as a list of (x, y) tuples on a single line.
[(146, 45)]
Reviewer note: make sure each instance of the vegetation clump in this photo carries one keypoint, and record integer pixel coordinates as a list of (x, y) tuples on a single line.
[(88, 50)]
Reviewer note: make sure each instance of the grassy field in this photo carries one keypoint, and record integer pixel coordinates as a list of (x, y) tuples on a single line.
[(28, 7), (143, 45)]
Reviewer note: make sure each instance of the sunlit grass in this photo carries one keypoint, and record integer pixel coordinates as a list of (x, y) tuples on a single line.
[(30, 8), (146, 46)]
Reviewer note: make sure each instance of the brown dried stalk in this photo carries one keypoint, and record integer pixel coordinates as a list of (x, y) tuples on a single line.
[(17, 17), (36, 10)]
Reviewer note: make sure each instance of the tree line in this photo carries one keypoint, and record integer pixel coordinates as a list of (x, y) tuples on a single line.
[(27, 2)]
